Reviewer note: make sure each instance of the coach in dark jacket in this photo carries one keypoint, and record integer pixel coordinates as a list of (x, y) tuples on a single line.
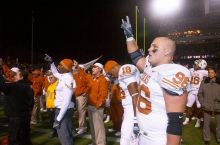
[(209, 97), (19, 99)]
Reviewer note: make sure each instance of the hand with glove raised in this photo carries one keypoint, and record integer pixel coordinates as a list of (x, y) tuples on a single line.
[(48, 59), (126, 26)]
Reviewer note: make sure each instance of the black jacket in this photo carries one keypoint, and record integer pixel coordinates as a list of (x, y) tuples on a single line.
[(19, 97)]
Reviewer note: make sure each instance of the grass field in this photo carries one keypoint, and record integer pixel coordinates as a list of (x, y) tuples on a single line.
[(40, 133)]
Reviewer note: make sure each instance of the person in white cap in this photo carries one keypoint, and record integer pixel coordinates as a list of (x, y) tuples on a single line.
[(97, 93), (19, 101)]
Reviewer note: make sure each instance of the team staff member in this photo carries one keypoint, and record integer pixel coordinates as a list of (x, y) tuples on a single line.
[(98, 91), (63, 104), (19, 102), (116, 109), (164, 87), (81, 95)]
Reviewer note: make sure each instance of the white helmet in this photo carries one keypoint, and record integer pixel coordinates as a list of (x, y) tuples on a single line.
[(196, 62), (202, 63)]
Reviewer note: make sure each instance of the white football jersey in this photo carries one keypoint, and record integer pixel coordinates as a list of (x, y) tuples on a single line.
[(191, 71), (196, 79), (152, 116), (127, 74)]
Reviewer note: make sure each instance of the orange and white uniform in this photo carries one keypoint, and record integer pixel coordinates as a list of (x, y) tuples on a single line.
[(151, 110), (196, 79), (127, 74)]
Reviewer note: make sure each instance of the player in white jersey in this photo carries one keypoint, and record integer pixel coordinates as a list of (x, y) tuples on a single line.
[(128, 78), (163, 92), (196, 78)]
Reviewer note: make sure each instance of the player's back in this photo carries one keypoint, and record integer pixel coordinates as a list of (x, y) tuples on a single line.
[(196, 79), (127, 74)]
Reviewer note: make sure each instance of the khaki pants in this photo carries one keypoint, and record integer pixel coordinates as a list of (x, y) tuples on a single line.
[(81, 102), (206, 126), (97, 127)]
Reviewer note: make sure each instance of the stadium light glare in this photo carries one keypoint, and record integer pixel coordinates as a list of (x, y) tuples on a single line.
[(165, 7)]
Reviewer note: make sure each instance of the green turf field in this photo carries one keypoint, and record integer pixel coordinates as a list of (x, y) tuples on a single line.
[(40, 133)]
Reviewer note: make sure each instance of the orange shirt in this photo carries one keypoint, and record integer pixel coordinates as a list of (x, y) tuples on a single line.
[(98, 91), (7, 73), (37, 86), (81, 82), (46, 83), (116, 94)]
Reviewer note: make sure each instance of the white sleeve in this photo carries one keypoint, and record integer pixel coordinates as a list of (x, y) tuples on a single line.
[(67, 93), (205, 73), (176, 82), (54, 71)]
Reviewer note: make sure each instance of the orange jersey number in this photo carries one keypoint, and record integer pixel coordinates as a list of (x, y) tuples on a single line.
[(181, 79), (195, 80), (126, 70), (144, 105)]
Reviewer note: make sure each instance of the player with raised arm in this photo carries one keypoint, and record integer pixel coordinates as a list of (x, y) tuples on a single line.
[(163, 90)]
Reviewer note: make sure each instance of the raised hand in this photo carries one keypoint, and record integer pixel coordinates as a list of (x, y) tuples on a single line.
[(48, 59), (126, 26)]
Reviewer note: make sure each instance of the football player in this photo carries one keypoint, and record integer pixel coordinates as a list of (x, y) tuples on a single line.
[(197, 76), (128, 78), (163, 90)]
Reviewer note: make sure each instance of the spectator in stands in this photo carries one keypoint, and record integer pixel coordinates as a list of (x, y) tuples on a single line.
[(209, 97)]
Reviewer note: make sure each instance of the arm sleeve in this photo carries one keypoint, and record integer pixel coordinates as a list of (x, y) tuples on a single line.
[(103, 92), (174, 82), (67, 93), (54, 71)]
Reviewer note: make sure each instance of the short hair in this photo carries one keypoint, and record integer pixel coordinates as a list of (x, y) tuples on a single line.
[(212, 68)]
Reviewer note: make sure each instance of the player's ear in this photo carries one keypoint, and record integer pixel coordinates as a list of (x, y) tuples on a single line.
[(166, 51)]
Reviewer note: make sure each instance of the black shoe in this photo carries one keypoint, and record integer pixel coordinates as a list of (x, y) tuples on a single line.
[(207, 142)]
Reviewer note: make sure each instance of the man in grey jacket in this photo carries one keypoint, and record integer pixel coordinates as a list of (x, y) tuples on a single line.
[(209, 97)]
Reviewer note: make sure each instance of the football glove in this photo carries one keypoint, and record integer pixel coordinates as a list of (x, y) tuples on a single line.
[(126, 26), (48, 59), (136, 128)]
